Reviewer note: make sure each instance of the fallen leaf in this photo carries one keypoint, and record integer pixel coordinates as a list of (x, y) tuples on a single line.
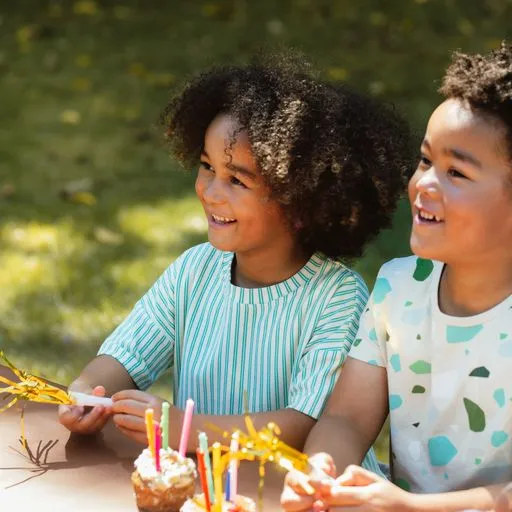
[(70, 117), (107, 236)]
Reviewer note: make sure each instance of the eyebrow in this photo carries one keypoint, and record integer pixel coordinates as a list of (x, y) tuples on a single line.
[(458, 154), (236, 168)]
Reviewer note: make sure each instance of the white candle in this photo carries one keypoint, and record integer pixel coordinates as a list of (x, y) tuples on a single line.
[(90, 400)]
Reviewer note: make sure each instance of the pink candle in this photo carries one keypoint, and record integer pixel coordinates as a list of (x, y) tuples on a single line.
[(185, 430), (158, 445), (233, 467)]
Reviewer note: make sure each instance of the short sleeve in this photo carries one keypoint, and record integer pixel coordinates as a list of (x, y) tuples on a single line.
[(315, 374), (370, 343), (144, 342)]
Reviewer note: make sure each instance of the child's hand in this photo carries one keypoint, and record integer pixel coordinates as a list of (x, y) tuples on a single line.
[(129, 407), (306, 493), (358, 486), (84, 420)]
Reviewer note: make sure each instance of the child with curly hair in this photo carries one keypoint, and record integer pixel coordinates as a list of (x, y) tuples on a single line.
[(434, 346), (294, 175)]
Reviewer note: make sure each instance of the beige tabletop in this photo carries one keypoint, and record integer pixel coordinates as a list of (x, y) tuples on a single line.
[(75, 473)]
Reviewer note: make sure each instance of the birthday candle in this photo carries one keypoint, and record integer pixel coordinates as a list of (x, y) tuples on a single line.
[(164, 422), (150, 431), (217, 477), (203, 444), (227, 490), (202, 477), (233, 467), (158, 445), (185, 430)]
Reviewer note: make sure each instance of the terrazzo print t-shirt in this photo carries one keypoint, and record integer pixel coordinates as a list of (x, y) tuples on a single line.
[(449, 380)]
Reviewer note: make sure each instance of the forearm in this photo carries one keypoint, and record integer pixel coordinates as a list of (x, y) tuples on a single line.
[(294, 427), (479, 498), (104, 371), (340, 438)]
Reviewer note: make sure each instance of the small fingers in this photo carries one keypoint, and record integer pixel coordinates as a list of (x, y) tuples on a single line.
[(357, 476), (76, 419), (299, 483), (294, 502), (323, 462), (130, 422), (130, 407), (69, 416), (139, 437)]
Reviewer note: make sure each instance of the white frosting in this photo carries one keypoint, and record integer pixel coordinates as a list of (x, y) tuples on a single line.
[(241, 504), (175, 470)]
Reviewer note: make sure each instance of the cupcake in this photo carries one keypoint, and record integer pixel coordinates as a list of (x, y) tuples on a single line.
[(239, 504), (165, 490)]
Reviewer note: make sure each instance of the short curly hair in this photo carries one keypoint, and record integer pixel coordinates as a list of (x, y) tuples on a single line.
[(485, 83), (334, 160)]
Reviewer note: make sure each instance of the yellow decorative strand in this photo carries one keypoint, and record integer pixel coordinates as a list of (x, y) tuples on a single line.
[(31, 388), (263, 445)]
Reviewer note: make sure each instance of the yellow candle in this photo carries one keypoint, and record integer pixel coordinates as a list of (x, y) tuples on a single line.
[(150, 431), (217, 477)]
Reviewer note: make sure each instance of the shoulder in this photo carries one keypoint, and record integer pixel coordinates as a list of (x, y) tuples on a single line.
[(410, 274), (341, 281), (198, 259)]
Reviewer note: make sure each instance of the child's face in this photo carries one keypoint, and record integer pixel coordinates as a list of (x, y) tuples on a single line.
[(461, 192), (234, 196)]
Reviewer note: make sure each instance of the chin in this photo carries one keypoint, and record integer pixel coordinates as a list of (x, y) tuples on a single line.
[(221, 245), (424, 251)]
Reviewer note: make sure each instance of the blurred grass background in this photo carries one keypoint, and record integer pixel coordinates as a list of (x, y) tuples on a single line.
[(92, 208)]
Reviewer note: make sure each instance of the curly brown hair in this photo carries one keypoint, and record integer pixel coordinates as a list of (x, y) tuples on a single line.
[(485, 83), (336, 161)]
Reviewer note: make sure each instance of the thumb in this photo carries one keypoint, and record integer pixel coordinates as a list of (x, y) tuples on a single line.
[(98, 391), (323, 462), (356, 476)]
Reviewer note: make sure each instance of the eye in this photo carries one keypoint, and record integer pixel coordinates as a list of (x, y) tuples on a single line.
[(454, 173), (237, 182), (206, 166), (424, 161)]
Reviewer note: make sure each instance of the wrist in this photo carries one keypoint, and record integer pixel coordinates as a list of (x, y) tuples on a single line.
[(412, 502)]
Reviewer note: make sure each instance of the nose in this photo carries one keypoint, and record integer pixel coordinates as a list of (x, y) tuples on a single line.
[(213, 191), (428, 182)]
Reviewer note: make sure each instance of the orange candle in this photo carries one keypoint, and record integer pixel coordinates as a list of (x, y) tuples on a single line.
[(150, 431), (202, 476)]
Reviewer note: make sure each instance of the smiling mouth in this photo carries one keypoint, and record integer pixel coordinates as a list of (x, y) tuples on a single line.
[(217, 219), (427, 217)]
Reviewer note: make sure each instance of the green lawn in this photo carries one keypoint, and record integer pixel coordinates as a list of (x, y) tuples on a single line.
[(91, 207)]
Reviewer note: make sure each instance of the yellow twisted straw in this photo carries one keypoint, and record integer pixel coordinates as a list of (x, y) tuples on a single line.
[(31, 388)]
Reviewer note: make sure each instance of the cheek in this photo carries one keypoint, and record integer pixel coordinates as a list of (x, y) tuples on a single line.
[(199, 186), (411, 188)]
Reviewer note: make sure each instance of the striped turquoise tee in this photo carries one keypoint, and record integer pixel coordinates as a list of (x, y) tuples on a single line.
[(280, 346)]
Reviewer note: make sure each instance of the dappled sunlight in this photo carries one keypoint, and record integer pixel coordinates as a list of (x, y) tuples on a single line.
[(35, 237), (163, 223)]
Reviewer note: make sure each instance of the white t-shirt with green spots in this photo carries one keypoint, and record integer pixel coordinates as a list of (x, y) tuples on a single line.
[(279, 346), (449, 380)]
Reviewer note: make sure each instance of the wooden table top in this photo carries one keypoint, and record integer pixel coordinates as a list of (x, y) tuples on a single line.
[(75, 473)]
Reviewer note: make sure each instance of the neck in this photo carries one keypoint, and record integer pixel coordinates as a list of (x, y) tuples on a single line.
[(267, 266), (467, 291)]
